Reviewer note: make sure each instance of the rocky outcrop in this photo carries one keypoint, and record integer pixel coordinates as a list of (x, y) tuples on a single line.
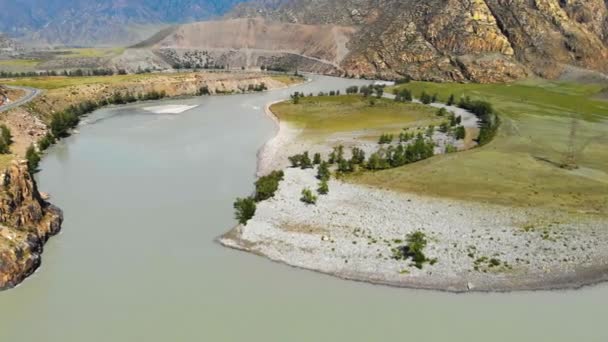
[(458, 40), (26, 223)]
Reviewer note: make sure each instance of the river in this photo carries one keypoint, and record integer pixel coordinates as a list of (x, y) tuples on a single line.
[(144, 197)]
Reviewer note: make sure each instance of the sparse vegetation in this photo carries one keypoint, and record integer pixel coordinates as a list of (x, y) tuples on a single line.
[(266, 186), (414, 250), (244, 209), (308, 197)]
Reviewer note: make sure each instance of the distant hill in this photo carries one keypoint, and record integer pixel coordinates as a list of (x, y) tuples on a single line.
[(480, 40), (100, 22), (247, 43)]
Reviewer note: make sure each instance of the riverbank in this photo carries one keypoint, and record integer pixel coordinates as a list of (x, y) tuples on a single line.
[(27, 220), (351, 232)]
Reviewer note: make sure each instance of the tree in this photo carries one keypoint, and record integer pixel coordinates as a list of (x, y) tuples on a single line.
[(425, 98), (46, 142), (323, 172), (385, 139), (308, 197), (305, 162), (317, 159), (266, 186), (33, 159), (323, 188), (430, 130), (460, 133), (358, 156), (379, 91), (451, 100), (244, 209), (442, 112), (6, 134), (295, 98)]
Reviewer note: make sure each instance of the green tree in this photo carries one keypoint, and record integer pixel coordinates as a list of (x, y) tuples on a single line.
[(323, 188), (244, 209), (317, 159), (460, 133), (46, 142), (305, 162), (308, 197), (425, 98), (451, 100), (6, 134), (33, 159), (323, 172), (266, 186)]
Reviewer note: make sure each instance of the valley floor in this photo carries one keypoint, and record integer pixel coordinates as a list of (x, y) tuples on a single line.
[(478, 245)]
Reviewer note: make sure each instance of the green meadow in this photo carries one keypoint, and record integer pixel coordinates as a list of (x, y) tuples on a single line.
[(544, 125)]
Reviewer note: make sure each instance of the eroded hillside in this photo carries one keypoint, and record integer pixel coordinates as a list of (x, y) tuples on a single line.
[(477, 40)]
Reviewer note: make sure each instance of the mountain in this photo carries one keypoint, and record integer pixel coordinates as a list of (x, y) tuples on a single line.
[(459, 40), (247, 43), (100, 22)]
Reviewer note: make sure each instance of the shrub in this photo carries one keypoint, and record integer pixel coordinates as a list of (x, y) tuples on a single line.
[(266, 186), (33, 159), (358, 156), (336, 155), (244, 209), (352, 90), (425, 98), (308, 197), (451, 100), (414, 250), (204, 90), (323, 188), (317, 159), (323, 172), (6, 134), (460, 133), (385, 139), (46, 142)]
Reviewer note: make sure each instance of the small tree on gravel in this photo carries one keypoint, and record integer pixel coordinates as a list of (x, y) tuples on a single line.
[(308, 197), (6, 134), (323, 172), (244, 209), (305, 162), (317, 159), (323, 188)]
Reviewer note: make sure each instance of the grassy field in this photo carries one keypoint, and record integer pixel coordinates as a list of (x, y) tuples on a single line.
[(543, 123), (321, 116)]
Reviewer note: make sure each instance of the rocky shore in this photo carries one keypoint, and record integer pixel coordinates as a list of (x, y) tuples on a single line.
[(352, 232), (27, 221)]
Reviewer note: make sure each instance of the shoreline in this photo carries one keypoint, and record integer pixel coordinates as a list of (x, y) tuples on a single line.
[(21, 251), (245, 238)]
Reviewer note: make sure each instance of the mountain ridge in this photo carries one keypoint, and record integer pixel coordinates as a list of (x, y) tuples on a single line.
[(477, 40)]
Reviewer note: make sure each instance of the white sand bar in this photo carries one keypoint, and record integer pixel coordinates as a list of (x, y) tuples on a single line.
[(169, 109)]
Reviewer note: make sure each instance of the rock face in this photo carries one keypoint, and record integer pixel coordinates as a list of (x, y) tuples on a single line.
[(252, 43), (458, 40), (27, 222)]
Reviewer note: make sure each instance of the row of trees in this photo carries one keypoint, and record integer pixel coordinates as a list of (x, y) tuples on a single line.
[(489, 121), (265, 188), (69, 73)]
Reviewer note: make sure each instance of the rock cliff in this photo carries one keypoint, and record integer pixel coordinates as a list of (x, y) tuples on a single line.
[(26, 223), (458, 40)]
